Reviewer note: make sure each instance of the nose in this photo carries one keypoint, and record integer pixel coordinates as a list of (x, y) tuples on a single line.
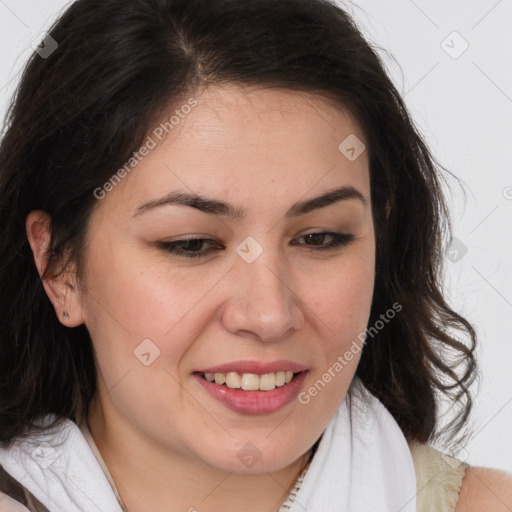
[(262, 303)]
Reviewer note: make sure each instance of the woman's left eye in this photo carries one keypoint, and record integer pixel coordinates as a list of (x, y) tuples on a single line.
[(338, 239), (191, 247)]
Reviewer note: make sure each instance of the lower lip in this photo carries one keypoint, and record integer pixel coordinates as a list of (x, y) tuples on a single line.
[(254, 402)]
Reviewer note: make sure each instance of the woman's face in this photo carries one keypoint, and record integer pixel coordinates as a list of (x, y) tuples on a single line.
[(259, 296)]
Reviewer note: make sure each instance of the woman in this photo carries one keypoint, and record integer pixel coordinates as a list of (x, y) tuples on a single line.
[(216, 293)]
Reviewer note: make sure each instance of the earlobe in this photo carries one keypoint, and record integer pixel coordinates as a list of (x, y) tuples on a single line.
[(60, 291)]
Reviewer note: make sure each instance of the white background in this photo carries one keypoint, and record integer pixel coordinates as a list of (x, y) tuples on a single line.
[(463, 107)]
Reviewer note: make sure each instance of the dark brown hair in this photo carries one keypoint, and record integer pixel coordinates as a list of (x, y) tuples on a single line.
[(79, 114)]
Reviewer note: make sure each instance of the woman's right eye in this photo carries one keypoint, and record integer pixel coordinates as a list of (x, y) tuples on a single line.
[(189, 248)]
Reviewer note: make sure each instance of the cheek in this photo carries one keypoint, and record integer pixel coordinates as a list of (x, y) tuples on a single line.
[(348, 303), (138, 319), (132, 295), (341, 312), (344, 320), (342, 297)]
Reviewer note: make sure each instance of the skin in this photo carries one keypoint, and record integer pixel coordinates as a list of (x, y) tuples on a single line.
[(166, 442), (163, 438), (485, 490)]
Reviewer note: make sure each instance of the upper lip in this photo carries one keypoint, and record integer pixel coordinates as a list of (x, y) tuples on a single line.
[(255, 367)]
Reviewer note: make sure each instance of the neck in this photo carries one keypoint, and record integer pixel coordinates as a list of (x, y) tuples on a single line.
[(149, 478)]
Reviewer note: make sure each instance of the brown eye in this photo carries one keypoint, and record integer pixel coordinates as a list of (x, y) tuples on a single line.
[(189, 248), (317, 239)]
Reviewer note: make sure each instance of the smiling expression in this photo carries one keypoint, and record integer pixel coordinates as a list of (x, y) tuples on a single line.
[(241, 246)]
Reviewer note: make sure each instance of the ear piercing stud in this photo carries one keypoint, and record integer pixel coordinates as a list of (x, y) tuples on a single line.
[(65, 315)]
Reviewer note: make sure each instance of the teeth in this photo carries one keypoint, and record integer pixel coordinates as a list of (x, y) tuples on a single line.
[(268, 381), (280, 378), (220, 378), (233, 380), (251, 381)]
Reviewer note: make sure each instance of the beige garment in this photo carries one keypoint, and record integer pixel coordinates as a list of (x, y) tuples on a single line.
[(438, 477)]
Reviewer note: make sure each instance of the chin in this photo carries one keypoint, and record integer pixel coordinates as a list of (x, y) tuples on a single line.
[(252, 458)]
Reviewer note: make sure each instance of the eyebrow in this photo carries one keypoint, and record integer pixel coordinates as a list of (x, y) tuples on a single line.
[(216, 207)]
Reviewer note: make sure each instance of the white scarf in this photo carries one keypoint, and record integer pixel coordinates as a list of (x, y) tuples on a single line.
[(362, 464)]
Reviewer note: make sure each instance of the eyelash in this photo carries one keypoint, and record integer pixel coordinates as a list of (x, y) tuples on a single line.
[(339, 239)]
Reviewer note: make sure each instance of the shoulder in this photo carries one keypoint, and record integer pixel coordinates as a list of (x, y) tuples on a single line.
[(484, 490), (451, 485), (8, 504)]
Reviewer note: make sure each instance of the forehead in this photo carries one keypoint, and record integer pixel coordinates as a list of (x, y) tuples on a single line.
[(252, 142), (231, 115)]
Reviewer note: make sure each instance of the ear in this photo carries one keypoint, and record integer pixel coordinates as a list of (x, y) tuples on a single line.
[(61, 290)]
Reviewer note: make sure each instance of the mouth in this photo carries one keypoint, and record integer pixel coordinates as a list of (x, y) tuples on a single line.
[(250, 381), (252, 393)]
